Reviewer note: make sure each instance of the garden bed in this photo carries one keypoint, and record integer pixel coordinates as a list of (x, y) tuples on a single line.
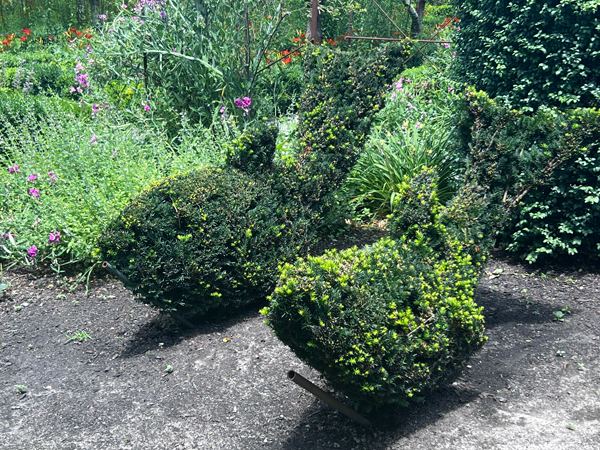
[(142, 382)]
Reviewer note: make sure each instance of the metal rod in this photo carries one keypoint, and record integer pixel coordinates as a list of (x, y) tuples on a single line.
[(397, 40), (345, 410), (404, 34), (116, 272)]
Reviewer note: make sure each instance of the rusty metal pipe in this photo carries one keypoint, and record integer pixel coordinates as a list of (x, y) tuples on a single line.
[(345, 410), (116, 272)]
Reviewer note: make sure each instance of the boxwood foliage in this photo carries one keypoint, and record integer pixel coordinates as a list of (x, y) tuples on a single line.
[(212, 237), (215, 237), (385, 323), (550, 174), (533, 52)]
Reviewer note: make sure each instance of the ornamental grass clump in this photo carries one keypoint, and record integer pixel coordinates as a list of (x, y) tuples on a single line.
[(214, 238)]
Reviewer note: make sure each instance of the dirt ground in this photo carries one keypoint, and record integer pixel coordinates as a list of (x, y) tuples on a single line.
[(103, 371)]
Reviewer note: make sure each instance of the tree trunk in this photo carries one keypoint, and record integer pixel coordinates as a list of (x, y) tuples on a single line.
[(318, 33), (416, 17), (80, 12), (94, 4)]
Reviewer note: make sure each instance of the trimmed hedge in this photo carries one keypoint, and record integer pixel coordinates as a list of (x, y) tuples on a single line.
[(549, 174), (215, 237), (533, 52), (387, 322)]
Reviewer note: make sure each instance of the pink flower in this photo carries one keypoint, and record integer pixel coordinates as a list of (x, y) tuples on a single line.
[(71, 89), (410, 105), (34, 193), (14, 169), (32, 252), (418, 125), (124, 6), (447, 45), (54, 238), (147, 107), (52, 176), (32, 178)]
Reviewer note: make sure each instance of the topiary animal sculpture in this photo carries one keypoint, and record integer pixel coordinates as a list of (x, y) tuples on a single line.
[(215, 237)]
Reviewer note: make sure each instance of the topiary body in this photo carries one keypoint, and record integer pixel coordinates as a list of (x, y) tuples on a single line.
[(215, 237), (387, 322)]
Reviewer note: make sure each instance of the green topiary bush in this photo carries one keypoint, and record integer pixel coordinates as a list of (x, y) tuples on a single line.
[(549, 170), (210, 238), (215, 237), (533, 52), (387, 322)]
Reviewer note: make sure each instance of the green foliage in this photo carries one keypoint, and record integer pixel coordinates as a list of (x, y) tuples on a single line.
[(543, 169), (392, 160), (532, 52), (99, 165), (213, 237), (343, 94), (37, 73), (387, 322), (412, 131), (192, 56), (562, 216)]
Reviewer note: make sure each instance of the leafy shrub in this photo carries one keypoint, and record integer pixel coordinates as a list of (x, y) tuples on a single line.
[(215, 238), (210, 238), (562, 216), (37, 73), (535, 53), (385, 323), (548, 168)]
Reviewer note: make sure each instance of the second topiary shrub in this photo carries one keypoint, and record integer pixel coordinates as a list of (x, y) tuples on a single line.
[(390, 321)]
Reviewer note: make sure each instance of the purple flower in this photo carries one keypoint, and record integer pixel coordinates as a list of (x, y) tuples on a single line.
[(450, 89), (102, 16), (244, 103), (32, 177), (32, 252), (54, 238), (52, 176), (163, 15), (34, 193), (95, 109)]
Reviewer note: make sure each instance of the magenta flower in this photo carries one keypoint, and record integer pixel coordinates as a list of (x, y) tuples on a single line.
[(52, 176), (32, 252), (32, 177), (54, 238), (34, 192), (244, 103), (146, 107), (14, 169)]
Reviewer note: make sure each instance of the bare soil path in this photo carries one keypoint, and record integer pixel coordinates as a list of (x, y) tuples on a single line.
[(141, 382)]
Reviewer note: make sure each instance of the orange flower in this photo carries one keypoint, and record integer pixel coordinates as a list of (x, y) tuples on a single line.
[(26, 31), (11, 36), (72, 30), (79, 33), (296, 39), (287, 60), (24, 38), (5, 42), (89, 36)]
